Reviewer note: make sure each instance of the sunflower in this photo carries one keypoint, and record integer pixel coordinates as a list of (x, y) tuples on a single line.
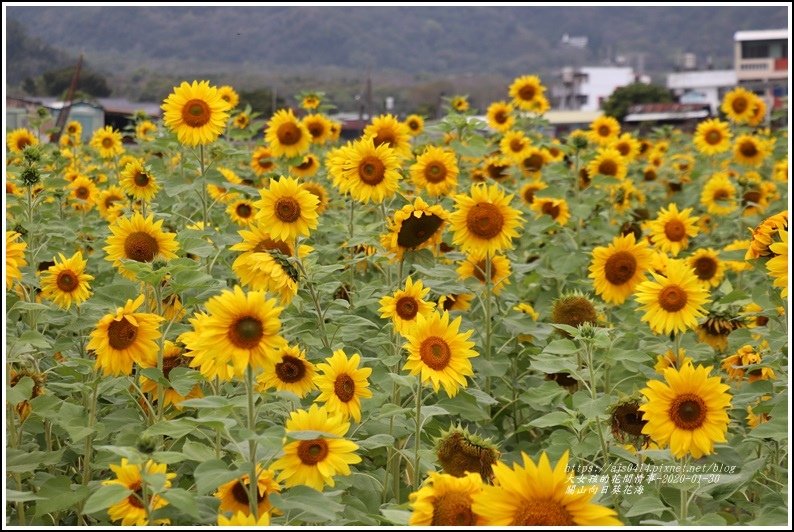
[(759, 112), (234, 494), (139, 239), (500, 116), (515, 145), (475, 266), (286, 135), (619, 267), (528, 191), (386, 129), (459, 452), (19, 139), (459, 103), (242, 212), (15, 257), (556, 208), (196, 113), (264, 263), (307, 167), (84, 191), (240, 519), (719, 195), (624, 195), (319, 127), (125, 337), (573, 309), (708, 267), (778, 265), (291, 373), (750, 150), (210, 367), (343, 384), (287, 209), (484, 220), (229, 95), (780, 171), (74, 129), (405, 305), (415, 124), (242, 330), (736, 365), (66, 281), (537, 495), (496, 167), (608, 163), (242, 120), (435, 171), (688, 412), (673, 302), (262, 160), (172, 358), (445, 500), (526, 91), (315, 462), (763, 235), (369, 172), (739, 104), (311, 101), (130, 510), (627, 146), (757, 198), (319, 191), (715, 329), (671, 230), (712, 137), (604, 130), (533, 161), (108, 142), (527, 309), (111, 203), (24, 408), (138, 181), (439, 353), (670, 360), (145, 131)]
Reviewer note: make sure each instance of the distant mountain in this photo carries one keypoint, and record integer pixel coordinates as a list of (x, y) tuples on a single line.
[(28, 56), (430, 40)]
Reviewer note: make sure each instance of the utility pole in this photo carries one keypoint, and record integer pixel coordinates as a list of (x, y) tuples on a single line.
[(369, 94), (67, 104)]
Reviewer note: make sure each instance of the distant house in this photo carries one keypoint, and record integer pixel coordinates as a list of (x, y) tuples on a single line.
[(683, 115), (586, 88), (702, 86), (761, 63)]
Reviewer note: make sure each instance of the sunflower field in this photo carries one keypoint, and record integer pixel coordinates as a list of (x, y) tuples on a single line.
[(463, 322)]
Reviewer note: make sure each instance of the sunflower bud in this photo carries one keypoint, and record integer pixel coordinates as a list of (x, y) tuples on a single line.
[(573, 310), (146, 444), (30, 176)]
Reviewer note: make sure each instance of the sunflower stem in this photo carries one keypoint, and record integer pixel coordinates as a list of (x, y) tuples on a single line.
[(204, 202), (352, 267), (253, 479), (418, 434), (158, 296), (316, 300), (487, 310), (684, 504), (88, 450)]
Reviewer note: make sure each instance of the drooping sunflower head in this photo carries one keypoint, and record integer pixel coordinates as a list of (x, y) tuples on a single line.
[(618, 268), (19, 139), (343, 384), (688, 412), (196, 112), (475, 265), (484, 220), (445, 500), (229, 95), (627, 423), (405, 305), (739, 105), (286, 135), (130, 510), (386, 129), (139, 239), (672, 229), (556, 208), (307, 167), (672, 302), (287, 208), (319, 192), (23, 408), (715, 329), (415, 124), (496, 167), (526, 92), (234, 494), (764, 235), (454, 302), (500, 116), (66, 282), (604, 130), (671, 360), (291, 372), (537, 494), (460, 452), (107, 141), (439, 353), (746, 362), (574, 310), (712, 136), (138, 181), (436, 171)]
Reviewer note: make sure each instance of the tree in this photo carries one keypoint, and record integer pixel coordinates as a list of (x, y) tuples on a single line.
[(261, 101), (56, 82), (617, 105)]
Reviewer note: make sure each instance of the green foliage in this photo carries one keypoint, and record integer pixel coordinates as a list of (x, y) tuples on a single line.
[(619, 102)]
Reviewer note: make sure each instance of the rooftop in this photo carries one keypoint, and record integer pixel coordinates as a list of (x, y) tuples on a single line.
[(760, 35)]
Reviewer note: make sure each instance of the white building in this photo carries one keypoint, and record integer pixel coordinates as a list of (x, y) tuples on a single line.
[(586, 88), (761, 63), (702, 86)]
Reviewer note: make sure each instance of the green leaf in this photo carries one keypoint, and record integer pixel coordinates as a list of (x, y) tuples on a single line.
[(308, 504), (209, 475), (197, 452), (58, 494), (105, 497), (21, 391), (21, 496), (212, 401), (182, 500), (646, 505), (551, 420), (561, 347), (396, 517), (34, 338), (155, 375), (168, 457), (376, 441)]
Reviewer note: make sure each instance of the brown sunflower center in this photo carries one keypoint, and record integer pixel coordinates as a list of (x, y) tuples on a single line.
[(265, 163), (22, 143), (529, 194), (110, 200), (67, 281), (748, 148), (107, 143), (542, 512), (243, 210), (173, 362), (713, 137), (500, 116), (288, 209), (740, 105), (435, 353), (288, 133), (407, 307), (246, 332), (623, 148), (527, 92), (122, 334), (604, 131), (196, 113), (372, 171), (516, 145), (485, 220), (384, 137), (290, 369), (533, 163), (721, 194), (413, 125), (316, 129), (674, 230), (416, 231), (452, 509), (649, 174), (306, 164), (141, 247), (705, 268), (752, 196), (345, 387), (479, 270), (620, 267), (672, 298), (135, 498), (688, 411), (608, 167), (497, 171), (551, 209), (435, 172), (573, 311), (311, 452), (268, 245), (81, 193), (141, 179), (240, 493), (628, 418)]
